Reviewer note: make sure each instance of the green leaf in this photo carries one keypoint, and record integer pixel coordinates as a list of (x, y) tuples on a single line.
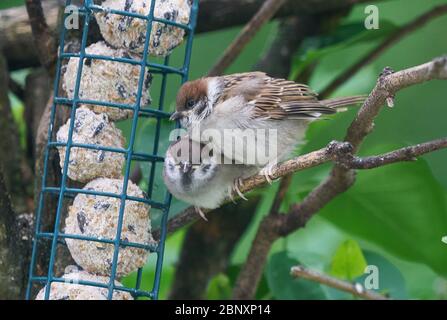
[(219, 288), (283, 286), (399, 207), (348, 261), (345, 36)]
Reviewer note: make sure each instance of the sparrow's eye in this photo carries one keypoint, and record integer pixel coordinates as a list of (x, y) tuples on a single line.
[(190, 104), (206, 167)]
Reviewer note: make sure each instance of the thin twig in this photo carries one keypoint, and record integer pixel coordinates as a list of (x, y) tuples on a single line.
[(397, 36), (404, 154), (306, 161), (265, 13), (355, 289), (281, 193)]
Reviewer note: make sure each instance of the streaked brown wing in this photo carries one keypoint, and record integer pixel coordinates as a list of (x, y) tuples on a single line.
[(275, 98), (246, 84), (280, 98)]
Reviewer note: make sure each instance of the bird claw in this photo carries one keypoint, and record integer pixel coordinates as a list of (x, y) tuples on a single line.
[(267, 172), (236, 184), (230, 194), (201, 214), (267, 177)]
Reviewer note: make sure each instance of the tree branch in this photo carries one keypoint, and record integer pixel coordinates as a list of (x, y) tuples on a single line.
[(16, 172), (388, 84), (53, 178), (339, 152), (300, 163), (14, 247), (220, 14), (265, 13), (207, 247), (44, 38), (278, 59), (281, 193), (355, 289), (16, 88), (404, 154), (397, 36), (9, 288), (15, 31), (340, 179), (37, 93)]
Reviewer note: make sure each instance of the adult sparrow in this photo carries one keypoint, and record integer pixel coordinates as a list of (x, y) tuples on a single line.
[(279, 108)]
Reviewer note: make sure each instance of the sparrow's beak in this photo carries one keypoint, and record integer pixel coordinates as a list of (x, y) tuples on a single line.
[(176, 116), (185, 167)]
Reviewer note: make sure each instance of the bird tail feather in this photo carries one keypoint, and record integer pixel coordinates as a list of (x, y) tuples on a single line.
[(341, 103)]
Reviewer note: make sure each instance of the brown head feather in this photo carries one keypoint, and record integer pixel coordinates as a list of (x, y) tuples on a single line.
[(192, 90)]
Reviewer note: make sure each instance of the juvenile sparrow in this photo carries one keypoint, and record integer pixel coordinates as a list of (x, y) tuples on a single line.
[(193, 173), (254, 101)]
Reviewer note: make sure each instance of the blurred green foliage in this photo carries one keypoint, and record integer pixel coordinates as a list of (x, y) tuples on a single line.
[(394, 217), (345, 36), (397, 212), (401, 208), (10, 3)]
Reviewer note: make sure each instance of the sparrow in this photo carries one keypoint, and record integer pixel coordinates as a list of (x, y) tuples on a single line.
[(254, 101), (196, 174)]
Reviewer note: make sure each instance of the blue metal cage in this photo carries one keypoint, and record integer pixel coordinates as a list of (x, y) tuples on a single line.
[(64, 191)]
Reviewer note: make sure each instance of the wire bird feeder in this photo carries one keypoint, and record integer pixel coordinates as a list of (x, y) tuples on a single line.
[(65, 191)]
